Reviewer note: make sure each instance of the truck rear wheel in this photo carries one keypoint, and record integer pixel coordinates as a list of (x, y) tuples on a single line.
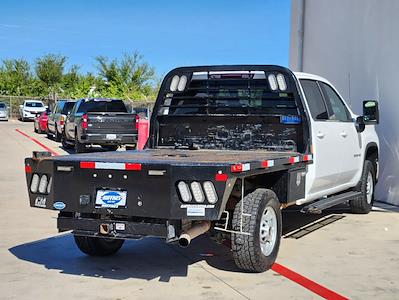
[(57, 136), (79, 147), (364, 203), (257, 252), (98, 246), (64, 142)]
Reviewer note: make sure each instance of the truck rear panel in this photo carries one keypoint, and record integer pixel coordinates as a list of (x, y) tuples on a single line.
[(147, 180)]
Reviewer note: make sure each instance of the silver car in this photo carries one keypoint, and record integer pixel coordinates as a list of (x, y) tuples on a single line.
[(3, 112)]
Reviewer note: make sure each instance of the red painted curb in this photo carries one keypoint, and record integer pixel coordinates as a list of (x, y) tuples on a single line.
[(307, 283), (37, 142)]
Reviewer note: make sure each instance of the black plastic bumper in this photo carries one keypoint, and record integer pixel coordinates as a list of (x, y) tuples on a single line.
[(101, 139)]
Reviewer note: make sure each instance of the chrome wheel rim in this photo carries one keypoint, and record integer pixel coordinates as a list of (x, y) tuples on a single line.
[(268, 231), (369, 188)]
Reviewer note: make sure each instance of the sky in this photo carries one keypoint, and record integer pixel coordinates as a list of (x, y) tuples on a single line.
[(168, 34)]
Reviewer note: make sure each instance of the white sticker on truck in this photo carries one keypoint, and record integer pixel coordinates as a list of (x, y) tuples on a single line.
[(196, 211)]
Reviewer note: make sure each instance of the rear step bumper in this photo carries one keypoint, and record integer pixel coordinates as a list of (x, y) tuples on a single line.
[(318, 206), (101, 138), (114, 228)]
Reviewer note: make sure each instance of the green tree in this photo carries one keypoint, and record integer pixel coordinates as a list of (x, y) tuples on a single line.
[(129, 78), (15, 77), (50, 70)]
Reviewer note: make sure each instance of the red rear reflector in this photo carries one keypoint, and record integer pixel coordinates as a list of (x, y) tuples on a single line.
[(294, 160), (87, 165), (133, 167), (267, 163), (221, 177), (137, 121), (28, 169)]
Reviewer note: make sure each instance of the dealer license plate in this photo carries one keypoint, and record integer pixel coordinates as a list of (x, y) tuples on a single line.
[(111, 198)]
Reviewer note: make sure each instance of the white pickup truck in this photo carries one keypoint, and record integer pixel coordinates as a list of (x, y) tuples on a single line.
[(229, 147)]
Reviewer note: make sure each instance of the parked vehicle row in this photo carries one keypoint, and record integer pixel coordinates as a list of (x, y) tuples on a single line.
[(86, 122)]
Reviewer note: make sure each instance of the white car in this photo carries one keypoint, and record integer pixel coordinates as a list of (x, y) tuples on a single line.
[(30, 109), (3, 111)]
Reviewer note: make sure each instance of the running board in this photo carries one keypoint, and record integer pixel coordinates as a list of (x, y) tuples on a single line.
[(318, 206)]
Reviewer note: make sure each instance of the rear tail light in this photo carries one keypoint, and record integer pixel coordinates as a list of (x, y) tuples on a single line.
[(62, 121), (84, 121), (34, 184), (210, 192), (43, 184), (184, 191), (197, 191), (137, 121)]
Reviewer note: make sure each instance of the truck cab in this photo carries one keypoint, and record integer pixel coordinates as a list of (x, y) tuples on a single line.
[(339, 146)]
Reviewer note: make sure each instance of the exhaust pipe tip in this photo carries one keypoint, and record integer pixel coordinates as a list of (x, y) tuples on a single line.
[(184, 240)]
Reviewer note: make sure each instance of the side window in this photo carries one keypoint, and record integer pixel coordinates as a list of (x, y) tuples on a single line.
[(75, 107), (338, 110), (315, 100), (59, 107)]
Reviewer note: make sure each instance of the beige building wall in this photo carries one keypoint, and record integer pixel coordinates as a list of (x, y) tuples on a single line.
[(355, 45)]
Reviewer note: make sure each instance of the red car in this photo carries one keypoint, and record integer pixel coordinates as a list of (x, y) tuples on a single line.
[(40, 122)]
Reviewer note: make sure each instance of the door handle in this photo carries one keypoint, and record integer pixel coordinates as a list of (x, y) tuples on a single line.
[(344, 134), (320, 135)]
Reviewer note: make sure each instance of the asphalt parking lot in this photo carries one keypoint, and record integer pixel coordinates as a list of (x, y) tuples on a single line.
[(332, 255)]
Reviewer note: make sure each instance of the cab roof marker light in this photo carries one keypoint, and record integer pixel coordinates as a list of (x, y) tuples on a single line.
[(267, 163), (34, 184), (182, 83), (281, 82), (174, 83), (272, 82), (184, 191)]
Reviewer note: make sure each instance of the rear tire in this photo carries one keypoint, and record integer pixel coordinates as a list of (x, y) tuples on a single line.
[(79, 147), (57, 136), (364, 203), (64, 142), (34, 128), (258, 251), (110, 147), (94, 246)]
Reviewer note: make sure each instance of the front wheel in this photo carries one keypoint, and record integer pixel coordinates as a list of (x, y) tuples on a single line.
[(364, 203), (257, 250), (94, 246)]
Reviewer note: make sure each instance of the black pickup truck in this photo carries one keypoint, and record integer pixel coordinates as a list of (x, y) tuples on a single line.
[(229, 147), (104, 122)]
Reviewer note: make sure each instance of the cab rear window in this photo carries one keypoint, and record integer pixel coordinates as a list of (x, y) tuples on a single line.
[(102, 105)]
